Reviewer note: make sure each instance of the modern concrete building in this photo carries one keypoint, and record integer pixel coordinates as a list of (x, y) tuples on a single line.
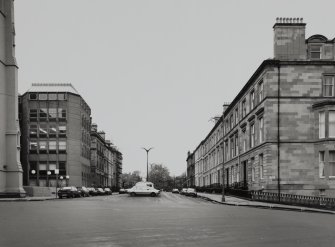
[(279, 131), (55, 124), (10, 166)]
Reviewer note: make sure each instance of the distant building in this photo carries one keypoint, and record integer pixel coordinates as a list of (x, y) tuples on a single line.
[(190, 169), (119, 159), (101, 159), (55, 124), (208, 158), (10, 166)]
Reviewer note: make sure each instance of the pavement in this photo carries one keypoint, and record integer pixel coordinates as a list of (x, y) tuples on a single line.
[(28, 198), (234, 201)]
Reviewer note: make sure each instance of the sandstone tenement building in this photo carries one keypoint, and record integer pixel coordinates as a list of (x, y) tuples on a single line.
[(279, 131)]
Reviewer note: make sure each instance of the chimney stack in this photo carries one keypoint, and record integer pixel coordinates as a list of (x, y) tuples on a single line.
[(289, 39)]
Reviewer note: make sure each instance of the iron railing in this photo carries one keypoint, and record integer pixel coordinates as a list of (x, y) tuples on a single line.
[(289, 199)]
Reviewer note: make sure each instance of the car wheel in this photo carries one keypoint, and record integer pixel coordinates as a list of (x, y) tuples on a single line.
[(153, 194), (132, 194)]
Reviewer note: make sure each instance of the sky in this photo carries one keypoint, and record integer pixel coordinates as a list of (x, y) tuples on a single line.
[(154, 72)]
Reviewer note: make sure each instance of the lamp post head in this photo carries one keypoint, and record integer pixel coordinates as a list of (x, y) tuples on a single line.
[(33, 172), (49, 172), (67, 177), (61, 177)]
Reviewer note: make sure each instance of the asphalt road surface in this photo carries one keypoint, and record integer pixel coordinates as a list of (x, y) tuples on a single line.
[(167, 220)]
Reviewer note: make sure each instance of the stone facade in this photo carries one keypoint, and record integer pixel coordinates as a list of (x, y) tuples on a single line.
[(279, 131), (208, 158), (10, 166), (190, 169)]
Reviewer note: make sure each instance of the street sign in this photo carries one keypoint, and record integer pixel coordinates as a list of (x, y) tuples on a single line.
[(56, 171)]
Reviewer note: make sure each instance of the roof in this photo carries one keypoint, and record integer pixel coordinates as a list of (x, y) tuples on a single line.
[(53, 87)]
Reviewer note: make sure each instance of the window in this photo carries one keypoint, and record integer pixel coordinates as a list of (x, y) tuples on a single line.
[(252, 135), (237, 173), (33, 114), (33, 130), (52, 166), (52, 130), (236, 115), (33, 145), (33, 96), (232, 146), (43, 146), (52, 96), (331, 163), (252, 99), (315, 51), (261, 166), (62, 130), (252, 169), (244, 108), (331, 124), (232, 174), (236, 144), (43, 114), (62, 145), (322, 127), (43, 130), (61, 113), (42, 167), (261, 130), (244, 140), (61, 96), (260, 91), (328, 86), (52, 146), (43, 96), (52, 113), (231, 119), (321, 164)]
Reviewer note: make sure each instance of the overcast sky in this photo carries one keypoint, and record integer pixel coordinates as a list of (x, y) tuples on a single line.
[(154, 72)]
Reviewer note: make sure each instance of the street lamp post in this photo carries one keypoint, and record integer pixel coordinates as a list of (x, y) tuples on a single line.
[(61, 180), (56, 173), (147, 150), (48, 174), (67, 180)]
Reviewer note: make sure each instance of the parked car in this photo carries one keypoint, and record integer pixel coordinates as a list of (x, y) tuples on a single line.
[(183, 191), (83, 191), (107, 191), (143, 188), (191, 192), (92, 191), (69, 192), (175, 191), (122, 191), (100, 192)]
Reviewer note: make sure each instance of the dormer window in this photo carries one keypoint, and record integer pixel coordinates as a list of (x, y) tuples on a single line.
[(315, 52)]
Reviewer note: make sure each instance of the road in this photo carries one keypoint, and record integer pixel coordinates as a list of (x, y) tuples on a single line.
[(167, 220)]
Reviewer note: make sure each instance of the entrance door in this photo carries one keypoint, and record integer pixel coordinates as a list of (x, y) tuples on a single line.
[(245, 174)]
